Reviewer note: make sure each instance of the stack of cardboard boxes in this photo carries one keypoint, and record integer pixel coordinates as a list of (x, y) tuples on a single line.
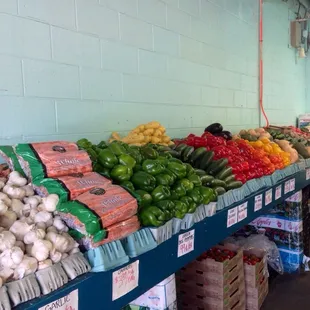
[(215, 285), (232, 284), (256, 280)]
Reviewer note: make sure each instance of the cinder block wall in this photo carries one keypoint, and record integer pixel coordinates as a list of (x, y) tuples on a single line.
[(84, 68)]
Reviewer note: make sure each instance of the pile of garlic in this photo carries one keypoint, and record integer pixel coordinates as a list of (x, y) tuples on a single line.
[(31, 236)]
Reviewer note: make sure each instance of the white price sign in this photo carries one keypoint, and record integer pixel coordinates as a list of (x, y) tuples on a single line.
[(287, 187), (278, 192), (242, 211), (69, 302), (125, 280), (186, 243), (307, 174), (258, 204), (268, 197), (292, 185), (232, 217)]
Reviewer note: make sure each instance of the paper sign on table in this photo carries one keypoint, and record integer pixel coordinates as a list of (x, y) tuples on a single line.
[(125, 280), (186, 243), (68, 302), (232, 217), (278, 192), (268, 197), (292, 185), (258, 204), (287, 187), (242, 211), (307, 174)]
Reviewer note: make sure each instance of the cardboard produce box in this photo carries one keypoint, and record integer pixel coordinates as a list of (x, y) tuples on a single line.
[(255, 303), (160, 297)]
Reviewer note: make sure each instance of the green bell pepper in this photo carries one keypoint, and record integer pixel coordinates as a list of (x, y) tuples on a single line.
[(148, 153), (171, 174), (189, 169), (186, 199), (178, 169), (166, 155), (192, 207), (121, 173), (179, 190), (153, 167), (175, 160), (165, 205), (164, 161), (116, 148), (135, 154), (144, 181), (214, 196), (180, 209), (102, 170), (152, 216), (107, 159), (168, 214), (187, 184), (84, 144), (160, 193), (127, 160), (145, 198), (195, 179), (128, 184), (195, 195), (207, 193), (137, 168), (102, 145), (164, 179)]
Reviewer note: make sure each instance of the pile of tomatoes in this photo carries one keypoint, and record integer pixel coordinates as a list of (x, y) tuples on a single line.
[(219, 255), (251, 259)]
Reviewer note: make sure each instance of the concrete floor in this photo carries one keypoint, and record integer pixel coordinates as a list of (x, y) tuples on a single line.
[(289, 292)]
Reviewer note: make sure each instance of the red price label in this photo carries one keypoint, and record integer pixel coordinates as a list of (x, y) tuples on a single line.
[(125, 280), (232, 217), (268, 197), (242, 211), (258, 204), (278, 192), (68, 302), (287, 187), (292, 185), (186, 243)]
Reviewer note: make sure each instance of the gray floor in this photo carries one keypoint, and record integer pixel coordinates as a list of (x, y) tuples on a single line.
[(289, 292)]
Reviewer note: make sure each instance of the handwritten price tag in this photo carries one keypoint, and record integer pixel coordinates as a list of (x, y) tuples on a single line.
[(268, 197), (125, 280), (278, 192), (232, 217), (69, 302), (292, 185), (242, 211), (307, 174), (186, 243), (287, 187), (258, 204)]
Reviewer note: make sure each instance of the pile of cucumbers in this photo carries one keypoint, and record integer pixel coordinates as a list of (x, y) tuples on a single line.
[(213, 173)]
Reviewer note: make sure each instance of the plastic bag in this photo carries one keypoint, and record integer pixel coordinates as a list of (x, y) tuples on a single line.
[(70, 187), (52, 159), (114, 232), (262, 242), (95, 210)]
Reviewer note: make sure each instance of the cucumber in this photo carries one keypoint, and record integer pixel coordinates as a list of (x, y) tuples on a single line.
[(229, 179), (181, 147), (187, 152), (220, 190), (206, 160), (217, 166), (198, 154), (233, 185), (217, 183), (206, 179), (224, 173), (200, 172)]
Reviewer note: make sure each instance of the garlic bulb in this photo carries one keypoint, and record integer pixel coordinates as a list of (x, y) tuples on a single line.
[(44, 216), (6, 273), (16, 179), (19, 229), (10, 258), (50, 202), (55, 256), (45, 264), (7, 240), (17, 206), (33, 235), (60, 242), (7, 219), (27, 266), (4, 197), (29, 190), (41, 249), (3, 207), (59, 224)]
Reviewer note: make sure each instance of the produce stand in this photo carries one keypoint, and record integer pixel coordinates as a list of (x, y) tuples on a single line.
[(95, 289)]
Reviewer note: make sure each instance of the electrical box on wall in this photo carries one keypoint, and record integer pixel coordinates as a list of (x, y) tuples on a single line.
[(295, 34)]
